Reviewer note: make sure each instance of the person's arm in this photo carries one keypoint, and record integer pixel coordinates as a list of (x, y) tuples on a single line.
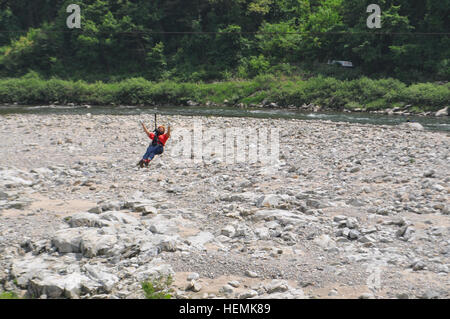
[(145, 129), (168, 132)]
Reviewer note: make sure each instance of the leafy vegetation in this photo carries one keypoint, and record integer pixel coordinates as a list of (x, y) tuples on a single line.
[(158, 288), (327, 92), (8, 295), (191, 40)]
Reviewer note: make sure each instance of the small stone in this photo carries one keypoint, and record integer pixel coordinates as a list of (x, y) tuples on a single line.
[(418, 265), (149, 210), (277, 286), (399, 221), (193, 276), (443, 268), (248, 294), (351, 223), (333, 292), (95, 210), (168, 245), (429, 173), (228, 231), (251, 274), (353, 234), (405, 233), (226, 289), (339, 218), (325, 242), (355, 169), (366, 239), (194, 286)]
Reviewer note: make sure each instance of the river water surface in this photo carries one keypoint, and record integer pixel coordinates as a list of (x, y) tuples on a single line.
[(430, 123)]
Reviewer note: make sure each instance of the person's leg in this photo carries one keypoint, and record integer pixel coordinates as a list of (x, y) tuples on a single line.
[(144, 160), (159, 150), (148, 153), (151, 155), (156, 150)]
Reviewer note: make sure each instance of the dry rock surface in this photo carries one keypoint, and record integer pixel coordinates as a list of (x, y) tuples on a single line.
[(347, 211)]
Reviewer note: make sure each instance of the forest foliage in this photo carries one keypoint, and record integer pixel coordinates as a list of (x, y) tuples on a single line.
[(220, 40)]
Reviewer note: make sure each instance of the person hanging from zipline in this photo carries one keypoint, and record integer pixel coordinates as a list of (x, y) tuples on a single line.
[(159, 140)]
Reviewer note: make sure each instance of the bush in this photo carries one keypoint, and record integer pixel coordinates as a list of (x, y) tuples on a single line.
[(430, 95), (8, 295), (158, 288), (325, 91), (253, 66)]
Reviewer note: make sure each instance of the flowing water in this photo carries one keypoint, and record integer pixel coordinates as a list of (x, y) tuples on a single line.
[(430, 123)]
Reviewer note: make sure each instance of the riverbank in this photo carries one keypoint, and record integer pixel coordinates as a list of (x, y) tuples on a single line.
[(348, 211), (315, 94)]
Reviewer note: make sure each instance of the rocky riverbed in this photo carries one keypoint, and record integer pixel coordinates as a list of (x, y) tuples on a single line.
[(347, 211)]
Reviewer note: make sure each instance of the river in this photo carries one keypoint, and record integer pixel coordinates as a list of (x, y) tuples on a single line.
[(429, 123)]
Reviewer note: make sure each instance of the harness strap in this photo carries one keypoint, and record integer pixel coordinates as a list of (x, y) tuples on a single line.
[(156, 140)]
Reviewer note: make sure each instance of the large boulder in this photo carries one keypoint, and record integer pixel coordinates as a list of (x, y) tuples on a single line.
[(443, 112), (27, 267), (153, 270), (94, 244), (282, 216), (90, 242), (325, 242), (68, 240), (105, 279), (413, 126), (119, 217), (57, 286), (12, 178), (55, 277)]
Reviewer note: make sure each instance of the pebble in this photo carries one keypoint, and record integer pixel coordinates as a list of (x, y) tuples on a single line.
[(251, 274), (193, 276), (226, 289)]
